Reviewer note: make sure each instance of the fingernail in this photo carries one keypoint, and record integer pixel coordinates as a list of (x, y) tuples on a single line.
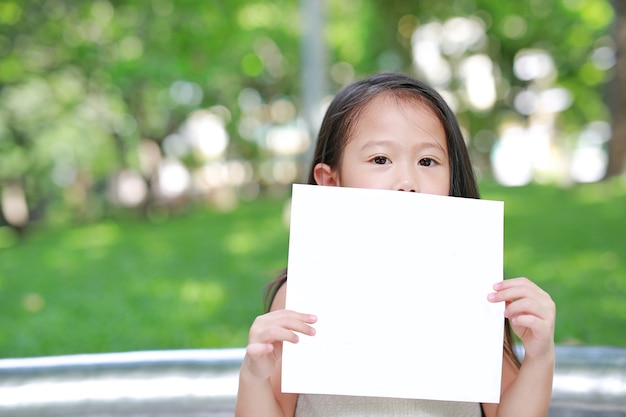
[(491, 296)]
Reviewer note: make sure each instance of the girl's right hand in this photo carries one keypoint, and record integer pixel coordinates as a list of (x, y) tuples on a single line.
[(268, 332)]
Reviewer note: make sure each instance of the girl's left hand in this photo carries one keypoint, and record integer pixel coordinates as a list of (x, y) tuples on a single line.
[(531, 312)]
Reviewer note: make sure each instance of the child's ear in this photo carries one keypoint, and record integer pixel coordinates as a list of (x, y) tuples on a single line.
[(325, 175)]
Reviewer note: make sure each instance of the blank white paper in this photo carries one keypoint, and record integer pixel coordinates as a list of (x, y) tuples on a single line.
[(399, 282)]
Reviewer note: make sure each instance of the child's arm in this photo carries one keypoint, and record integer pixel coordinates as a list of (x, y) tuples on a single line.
[(532, 313), (259, 392)]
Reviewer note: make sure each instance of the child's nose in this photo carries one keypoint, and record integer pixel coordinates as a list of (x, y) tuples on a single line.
[(406, 177), (408, 184)]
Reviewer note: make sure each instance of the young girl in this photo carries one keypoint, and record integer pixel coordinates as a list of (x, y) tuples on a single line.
[(393, 132)]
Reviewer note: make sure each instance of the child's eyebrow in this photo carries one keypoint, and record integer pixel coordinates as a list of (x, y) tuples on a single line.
[(383, 143), (376, 143)]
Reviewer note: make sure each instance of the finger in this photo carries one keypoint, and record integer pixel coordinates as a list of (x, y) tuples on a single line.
[(284, 318), (529, 312), (277, 314), (257, 350), (508, 295), (529, 327), (279, 330), (278, 334), (541, 305), (528, 306), (529, 321), (516, 292), (514, 282)]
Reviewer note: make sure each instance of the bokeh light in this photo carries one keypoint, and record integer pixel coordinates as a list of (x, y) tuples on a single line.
[(206, 134), (128, 189), (173, 179), (511, 157), (14, 205), (476, 71), (530, 64)]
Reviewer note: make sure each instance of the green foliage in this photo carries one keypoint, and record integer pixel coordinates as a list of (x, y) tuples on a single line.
[(81, 83), (195, 281)]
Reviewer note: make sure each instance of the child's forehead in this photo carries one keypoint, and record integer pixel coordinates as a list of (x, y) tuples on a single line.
[(375, 108), (390, 113), (402, 100)]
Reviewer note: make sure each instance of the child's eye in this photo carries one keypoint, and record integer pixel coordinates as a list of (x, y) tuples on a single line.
[(381, 160), (426, 162)]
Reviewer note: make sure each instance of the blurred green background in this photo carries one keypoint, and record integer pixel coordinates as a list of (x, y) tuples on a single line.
[(147, 151)]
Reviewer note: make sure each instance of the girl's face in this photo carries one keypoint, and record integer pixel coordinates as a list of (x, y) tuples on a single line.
[(396, 145)]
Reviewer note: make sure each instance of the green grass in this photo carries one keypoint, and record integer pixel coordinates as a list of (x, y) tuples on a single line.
[(195, 281), (188, 282), (573, 243)]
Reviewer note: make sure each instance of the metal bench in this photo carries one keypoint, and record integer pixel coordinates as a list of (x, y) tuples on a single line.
[(589, 381)]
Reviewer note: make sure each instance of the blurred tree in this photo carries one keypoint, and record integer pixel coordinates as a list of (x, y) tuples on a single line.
[(85, 85), (572, 34), (82, 84), (617, 95)]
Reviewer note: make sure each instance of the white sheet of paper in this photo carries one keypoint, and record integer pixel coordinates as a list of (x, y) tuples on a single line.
[(399, 282)]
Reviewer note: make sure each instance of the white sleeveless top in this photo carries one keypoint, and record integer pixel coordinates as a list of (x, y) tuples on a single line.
[(314, 405)]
